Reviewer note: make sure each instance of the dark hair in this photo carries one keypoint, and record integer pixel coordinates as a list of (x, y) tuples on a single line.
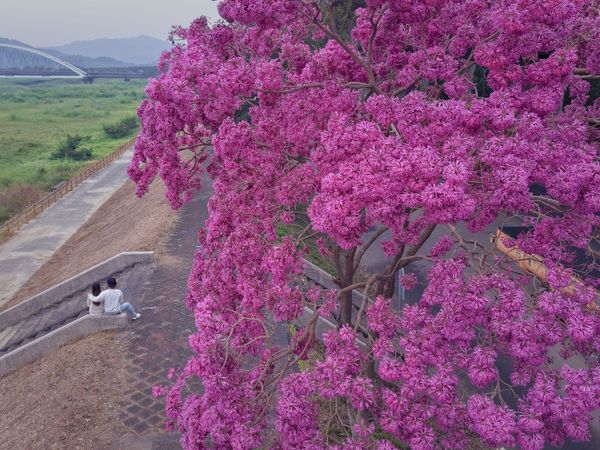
[(96, 289), (112, 283)]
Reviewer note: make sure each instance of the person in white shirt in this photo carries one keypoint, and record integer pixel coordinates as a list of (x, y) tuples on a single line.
[(113, 299), (94, 301)]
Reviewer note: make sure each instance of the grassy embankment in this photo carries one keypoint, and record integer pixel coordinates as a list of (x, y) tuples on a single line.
[(36, 116)]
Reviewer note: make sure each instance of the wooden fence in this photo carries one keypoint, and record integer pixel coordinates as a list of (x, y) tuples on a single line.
[(15, 223)]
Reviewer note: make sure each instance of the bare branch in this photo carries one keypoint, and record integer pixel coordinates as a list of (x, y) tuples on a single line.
[(365, 247)]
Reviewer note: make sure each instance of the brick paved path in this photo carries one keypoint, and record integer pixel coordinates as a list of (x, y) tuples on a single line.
[(159, 339)]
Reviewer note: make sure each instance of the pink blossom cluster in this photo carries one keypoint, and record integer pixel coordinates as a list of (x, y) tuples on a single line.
[(425, 115)]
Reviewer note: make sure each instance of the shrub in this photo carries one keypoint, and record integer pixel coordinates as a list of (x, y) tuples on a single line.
[(122, 128), (69, 149), (17, 196)]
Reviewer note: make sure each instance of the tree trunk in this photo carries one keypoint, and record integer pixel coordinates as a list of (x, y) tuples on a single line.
[(346, 309), (347, 280)]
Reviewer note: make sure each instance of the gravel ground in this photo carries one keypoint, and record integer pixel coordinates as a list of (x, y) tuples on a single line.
[(66, 400)]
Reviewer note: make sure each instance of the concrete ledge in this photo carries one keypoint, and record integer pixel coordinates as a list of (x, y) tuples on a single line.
[(79, 282), (321, 277), (324, 279), (82, 327), (324, 325), (318, 275)]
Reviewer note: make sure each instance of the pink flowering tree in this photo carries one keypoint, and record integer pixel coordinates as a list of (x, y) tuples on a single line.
[(431, 122)]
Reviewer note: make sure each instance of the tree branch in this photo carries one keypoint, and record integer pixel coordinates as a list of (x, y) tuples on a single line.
[(365, 247)]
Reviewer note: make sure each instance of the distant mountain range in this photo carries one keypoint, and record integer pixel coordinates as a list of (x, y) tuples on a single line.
[(97, 53), (13, 42), (140, 50), (85, 62)]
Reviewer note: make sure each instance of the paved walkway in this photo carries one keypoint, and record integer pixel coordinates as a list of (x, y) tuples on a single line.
[(159, 340), (37, 241)]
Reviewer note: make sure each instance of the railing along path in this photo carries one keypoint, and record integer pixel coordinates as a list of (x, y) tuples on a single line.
[(35, 209)]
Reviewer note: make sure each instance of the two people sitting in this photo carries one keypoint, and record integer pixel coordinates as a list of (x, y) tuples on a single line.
[(109, 301)]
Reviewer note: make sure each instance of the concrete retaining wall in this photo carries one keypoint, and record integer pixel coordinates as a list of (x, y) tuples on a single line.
[(74, 284), (322, 278), (82, 327), (318, 275)]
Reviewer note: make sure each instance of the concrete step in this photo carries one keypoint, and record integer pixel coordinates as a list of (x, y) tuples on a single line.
[(135, 285), (123, 277), (131, 280), (58, 315), (25, 328), (45, 323), (6, 335), (74, 306)]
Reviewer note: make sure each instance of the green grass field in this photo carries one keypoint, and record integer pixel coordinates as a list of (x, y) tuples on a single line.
[(36, 115)]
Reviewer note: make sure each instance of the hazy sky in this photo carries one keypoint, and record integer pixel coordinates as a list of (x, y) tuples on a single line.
[(44, 23)]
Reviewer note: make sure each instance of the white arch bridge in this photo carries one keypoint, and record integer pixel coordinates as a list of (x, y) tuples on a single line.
[(17, 61), (28, 62)]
